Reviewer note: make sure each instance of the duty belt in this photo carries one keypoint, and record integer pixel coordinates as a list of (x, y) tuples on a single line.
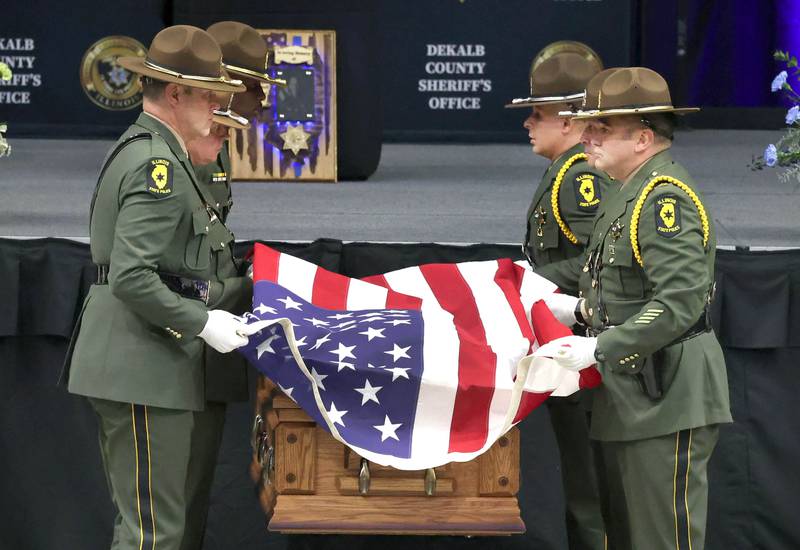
[(195, 289), (701, 326)]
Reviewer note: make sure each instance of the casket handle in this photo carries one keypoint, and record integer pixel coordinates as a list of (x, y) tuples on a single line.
[(255, 434), (363, 477), (430, 482)]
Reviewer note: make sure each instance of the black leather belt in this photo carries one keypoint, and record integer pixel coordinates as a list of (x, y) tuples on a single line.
[(195, 289), (700, 327)]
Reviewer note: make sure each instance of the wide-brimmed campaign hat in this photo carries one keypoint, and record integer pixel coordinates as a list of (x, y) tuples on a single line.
[(244, 52), (627, 91), (184, 55), (559, 74)]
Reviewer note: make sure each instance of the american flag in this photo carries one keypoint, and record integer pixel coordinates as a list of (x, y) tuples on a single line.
[(414, 368)]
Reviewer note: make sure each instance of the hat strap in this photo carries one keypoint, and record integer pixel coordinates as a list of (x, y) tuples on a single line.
[(256, 74), (150, 65)]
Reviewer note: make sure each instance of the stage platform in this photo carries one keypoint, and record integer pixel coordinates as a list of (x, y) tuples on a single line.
[(420, 193)]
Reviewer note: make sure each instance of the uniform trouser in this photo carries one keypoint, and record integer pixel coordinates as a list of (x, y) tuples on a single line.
[(655, 491), (570, 422), (206, 441), (145, 454)]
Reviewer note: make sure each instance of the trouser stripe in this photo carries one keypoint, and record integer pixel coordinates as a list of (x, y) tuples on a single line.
[(680, 489), (144, 502)]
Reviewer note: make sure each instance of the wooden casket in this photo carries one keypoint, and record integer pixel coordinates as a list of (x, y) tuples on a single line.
[(310, 483)]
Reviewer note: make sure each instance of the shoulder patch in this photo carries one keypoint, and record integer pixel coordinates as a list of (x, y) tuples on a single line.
[(587, 191), (668, 215), (159, 177)]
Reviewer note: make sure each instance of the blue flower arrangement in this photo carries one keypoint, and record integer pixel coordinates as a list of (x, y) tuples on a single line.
[(786, 152)]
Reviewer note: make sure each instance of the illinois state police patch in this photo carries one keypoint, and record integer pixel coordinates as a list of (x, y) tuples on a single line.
[(159, 177), (587, 192), (668, 216)]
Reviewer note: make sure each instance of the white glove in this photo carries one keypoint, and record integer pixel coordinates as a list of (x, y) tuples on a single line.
[(563, 307), (575, 352), (222, 331)]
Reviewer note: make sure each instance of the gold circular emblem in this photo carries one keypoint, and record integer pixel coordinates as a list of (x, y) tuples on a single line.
[(106, 83)]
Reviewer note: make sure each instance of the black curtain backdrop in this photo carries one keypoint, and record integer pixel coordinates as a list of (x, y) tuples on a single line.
[(55, 494)]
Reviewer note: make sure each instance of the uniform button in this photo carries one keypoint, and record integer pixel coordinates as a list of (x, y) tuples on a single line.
[(222, 245), (591, 312), (179, 336), (622, 361), (611, 260), (206, 229), (541, 245), (594, 283), (580, 294), (217, 205), (653, 173)]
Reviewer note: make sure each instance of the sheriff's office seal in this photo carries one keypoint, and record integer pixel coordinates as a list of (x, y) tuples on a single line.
[(106, 83)]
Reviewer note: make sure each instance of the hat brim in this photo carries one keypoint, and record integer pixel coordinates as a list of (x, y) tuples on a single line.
[(241, 72), (521, 102), (603, 113), (231, 120), (137, 65)]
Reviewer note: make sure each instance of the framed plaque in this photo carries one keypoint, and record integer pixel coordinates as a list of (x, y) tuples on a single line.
[(293, 136)]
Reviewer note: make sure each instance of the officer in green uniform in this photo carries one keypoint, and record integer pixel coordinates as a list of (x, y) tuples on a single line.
[(559, 220), (244, 56), (646, 284), (164, 271)]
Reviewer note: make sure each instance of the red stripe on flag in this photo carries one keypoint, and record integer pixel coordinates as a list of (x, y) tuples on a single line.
[(589, 378), (546, 326), (529, 402), (330, 289), (265, 264), (394, 300), (509, 279), (476, 361)]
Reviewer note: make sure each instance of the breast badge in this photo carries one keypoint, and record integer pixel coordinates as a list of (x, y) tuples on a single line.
[(107, 84), (159, 177), (587, 193), (668, 216)]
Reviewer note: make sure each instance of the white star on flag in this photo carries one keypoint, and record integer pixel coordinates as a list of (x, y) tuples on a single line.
[(371, 333), (397, 352), (344, 352), (316, 322), (320, 341), (340, 316), (262, 309), (371, 366), (336, 416), (342, 365), (399, 322), (345, 324), (369, 393), (398, 372), (371, 319), (287, 391), (266, 345), (300, 342), (372, 314), (318, 378), (388, 430), (290, 304)]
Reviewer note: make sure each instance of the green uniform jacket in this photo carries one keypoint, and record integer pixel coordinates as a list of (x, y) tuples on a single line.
[(580, 192), (217, 177), (137, 339), (226, 373), (650, 307)]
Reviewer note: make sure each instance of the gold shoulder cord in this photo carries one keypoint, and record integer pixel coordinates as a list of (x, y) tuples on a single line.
[(637, 210), (554, 196)]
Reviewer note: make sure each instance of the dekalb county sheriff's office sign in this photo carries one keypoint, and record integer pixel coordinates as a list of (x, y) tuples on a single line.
[(455, 68), (18, 54)]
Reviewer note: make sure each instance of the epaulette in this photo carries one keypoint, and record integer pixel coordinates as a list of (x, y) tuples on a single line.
[(554, 196), (637, 210)]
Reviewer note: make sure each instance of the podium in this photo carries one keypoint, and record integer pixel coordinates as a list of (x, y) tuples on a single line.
[(308, 482)]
